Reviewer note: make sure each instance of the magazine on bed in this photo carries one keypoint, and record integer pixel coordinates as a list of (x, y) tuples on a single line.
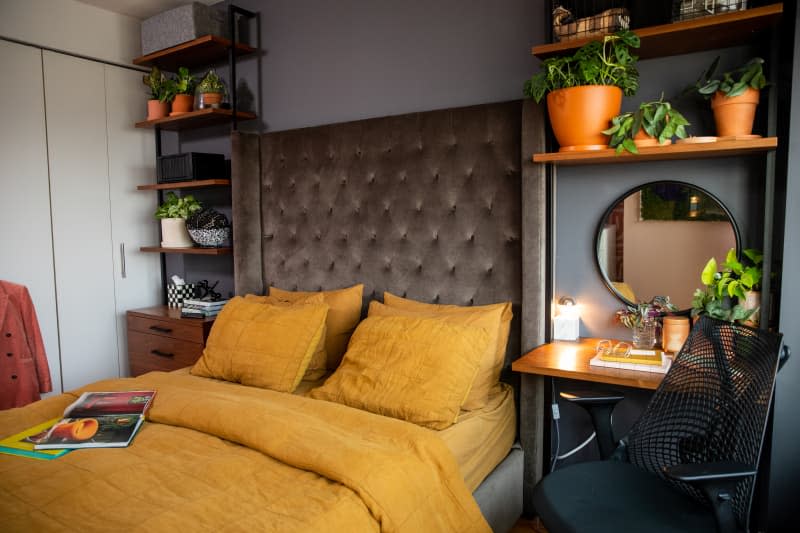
[(20, 444), (97, 420)]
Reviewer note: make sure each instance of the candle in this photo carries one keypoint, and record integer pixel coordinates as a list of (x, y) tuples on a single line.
[(674, 332)]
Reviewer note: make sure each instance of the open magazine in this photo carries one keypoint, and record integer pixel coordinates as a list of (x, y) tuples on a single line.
[(97, 420)]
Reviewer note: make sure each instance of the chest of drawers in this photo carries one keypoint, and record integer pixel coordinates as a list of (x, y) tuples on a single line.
[(159, 339)]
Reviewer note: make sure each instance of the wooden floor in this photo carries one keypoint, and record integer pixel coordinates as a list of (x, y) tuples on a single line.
[(524, 525)]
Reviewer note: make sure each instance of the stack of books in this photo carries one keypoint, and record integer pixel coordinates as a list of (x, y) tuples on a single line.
[(201, 308), (642, 360)]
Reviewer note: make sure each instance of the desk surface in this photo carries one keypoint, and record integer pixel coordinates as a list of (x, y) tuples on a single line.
[(567, 359)]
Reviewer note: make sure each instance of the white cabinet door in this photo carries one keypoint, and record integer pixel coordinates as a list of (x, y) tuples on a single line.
[(75, 103), (26, 245), (131, 162)]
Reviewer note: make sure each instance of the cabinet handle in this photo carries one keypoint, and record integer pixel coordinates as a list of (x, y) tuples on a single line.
[(123, 270), (160, 329), (162, 354)]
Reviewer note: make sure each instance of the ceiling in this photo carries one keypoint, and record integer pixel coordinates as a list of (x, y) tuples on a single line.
[(141, 9)]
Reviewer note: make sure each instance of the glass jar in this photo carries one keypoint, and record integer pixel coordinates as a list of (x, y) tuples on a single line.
[(644, 334)]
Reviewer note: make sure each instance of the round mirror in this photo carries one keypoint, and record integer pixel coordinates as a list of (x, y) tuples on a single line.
[(655, 240)]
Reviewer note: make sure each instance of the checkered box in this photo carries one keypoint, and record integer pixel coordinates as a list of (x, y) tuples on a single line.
[(176, 294)]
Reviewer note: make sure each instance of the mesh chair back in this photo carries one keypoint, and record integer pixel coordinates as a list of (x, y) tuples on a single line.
[(712, 405)]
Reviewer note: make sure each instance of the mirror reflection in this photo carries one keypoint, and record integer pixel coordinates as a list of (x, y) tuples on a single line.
[(656, 239)]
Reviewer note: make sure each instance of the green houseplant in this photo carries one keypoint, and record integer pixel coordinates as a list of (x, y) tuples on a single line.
[(731, 293), (584, 90), (162, 91), (211, 89), (644, 320), (173, 213), (652, 123), (734, 96), (184, 84)]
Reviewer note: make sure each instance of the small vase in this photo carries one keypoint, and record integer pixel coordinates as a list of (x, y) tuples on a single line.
[(644, 335)]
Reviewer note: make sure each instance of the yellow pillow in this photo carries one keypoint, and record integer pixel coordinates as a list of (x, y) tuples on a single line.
[(316, 368), (415, 369), (502, 333), (262, 345), (343, 317), (488, 320)]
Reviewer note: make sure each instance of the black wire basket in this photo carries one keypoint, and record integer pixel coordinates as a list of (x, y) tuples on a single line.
[(690, 9), (578, 19)]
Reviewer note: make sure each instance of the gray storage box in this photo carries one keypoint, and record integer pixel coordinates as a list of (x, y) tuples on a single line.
[(181, 24)]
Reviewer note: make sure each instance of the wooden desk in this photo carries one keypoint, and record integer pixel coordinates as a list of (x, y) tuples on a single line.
[(567, 359)]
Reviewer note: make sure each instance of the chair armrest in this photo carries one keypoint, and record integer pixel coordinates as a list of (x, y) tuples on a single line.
[(599, 404), (718, 482)]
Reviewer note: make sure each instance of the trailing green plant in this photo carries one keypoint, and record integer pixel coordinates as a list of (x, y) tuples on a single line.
[(184, 82), (732, 83), (606, 62), (211, 83), (636, 315), (658, 119), (175, 207), (726, 290), (161, 87)]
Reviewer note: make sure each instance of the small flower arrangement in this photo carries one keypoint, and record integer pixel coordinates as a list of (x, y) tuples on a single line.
[(645, 312)]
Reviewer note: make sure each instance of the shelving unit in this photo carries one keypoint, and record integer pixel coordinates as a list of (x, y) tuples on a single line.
[(196, 184), (200, 118), (204, 50)]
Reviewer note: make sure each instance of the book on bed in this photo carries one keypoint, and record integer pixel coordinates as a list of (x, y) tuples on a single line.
[(21, 445), (97, 420)]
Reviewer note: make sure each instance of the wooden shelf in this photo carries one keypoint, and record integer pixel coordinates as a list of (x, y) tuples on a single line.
[(196, 250), (195, 184), (717, 31), (195, 119), (204, 50), (661, 153)]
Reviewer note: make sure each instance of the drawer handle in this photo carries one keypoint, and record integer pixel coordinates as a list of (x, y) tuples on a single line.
[(162, 354), (160, 329)]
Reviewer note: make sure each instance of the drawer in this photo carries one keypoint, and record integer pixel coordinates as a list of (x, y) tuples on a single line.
[(148, 352), (176, 329)]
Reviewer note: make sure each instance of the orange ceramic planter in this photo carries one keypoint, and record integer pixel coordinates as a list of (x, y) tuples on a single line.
[(183, 103), (642, 138), (734, 116), (157, 109), (579, 115)]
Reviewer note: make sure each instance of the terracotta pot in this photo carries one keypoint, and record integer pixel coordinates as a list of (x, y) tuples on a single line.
[(174, 233), (674, 332), (734, 116), (183, 103), (210, 99), (642, 138), (579, 115), (752, 301), (157, 109)]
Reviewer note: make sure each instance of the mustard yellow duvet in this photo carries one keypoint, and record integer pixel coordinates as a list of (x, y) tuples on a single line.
[(215, 456)]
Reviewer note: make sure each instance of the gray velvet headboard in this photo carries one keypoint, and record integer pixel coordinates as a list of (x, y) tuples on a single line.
[(425, 205)]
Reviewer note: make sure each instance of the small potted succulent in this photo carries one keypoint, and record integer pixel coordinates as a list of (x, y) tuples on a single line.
[(644, 319), (173, 214), (733, 293), (184, 92), (162, 90), (654, 123), (734, 96), (211, 90)]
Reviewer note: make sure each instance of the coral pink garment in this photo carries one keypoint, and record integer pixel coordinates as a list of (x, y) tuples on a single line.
[(24, 372)]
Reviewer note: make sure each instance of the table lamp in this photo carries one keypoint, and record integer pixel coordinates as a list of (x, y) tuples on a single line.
[(566, 324)]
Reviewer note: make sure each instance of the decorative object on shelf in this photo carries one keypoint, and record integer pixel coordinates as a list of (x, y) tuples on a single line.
[(690, 9), (210, 91), (584, 91), (162, 90), (181, 24), (204, 291), (178, 291), (654, 123), (566, 324), (190, 166), (674, 332), (173, 214), (604, 17), (644, 320), (184, 92), (208, 228), (731, 294), (734, 97)]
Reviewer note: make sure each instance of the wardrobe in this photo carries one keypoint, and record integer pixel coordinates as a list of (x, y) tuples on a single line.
[(71, 219)]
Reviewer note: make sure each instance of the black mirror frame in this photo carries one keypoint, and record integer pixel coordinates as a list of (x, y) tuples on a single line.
[(627, 193)]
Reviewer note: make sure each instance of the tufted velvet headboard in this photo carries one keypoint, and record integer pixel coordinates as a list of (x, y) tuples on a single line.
[(425, 205)]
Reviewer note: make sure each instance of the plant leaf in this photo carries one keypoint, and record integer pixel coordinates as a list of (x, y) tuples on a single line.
[(707, 276)]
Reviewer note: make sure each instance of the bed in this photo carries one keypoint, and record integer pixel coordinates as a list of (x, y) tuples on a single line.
[(427, 206)]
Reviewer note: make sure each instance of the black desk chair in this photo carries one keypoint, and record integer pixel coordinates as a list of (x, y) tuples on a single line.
[(689, 463)]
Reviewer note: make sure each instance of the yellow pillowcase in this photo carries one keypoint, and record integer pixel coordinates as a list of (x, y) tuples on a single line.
[(489, 321), (317, 367), (262, 345), (502, 333), (343, 317), (415, 369)]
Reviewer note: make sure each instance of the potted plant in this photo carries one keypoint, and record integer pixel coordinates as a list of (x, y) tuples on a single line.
[(173, 214), (644, 318), (184, 92), (211, 89), (731, 294), (654, 123), (584, 91), (161, 93), (734, 97)]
